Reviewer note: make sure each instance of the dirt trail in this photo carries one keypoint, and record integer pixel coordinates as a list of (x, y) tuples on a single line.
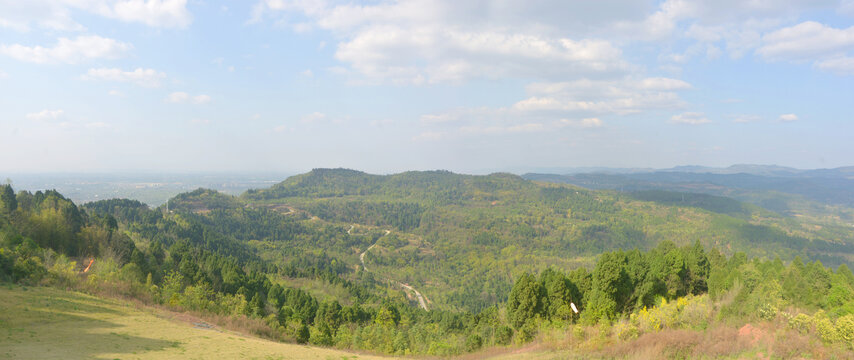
[(418, 295)]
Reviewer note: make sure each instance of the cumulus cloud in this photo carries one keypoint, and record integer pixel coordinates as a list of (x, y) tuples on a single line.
[(806, 41), (46, 115), (69, 51), (440, 41), (139, 76), (623, 96), (582, 123), (690, 118), (843, 65), (497, 129), (313, 117), (745, 118), (180, 97), (155, 13), (57, 14), (788, 117)]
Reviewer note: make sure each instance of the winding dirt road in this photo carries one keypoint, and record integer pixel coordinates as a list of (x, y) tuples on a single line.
[(418, 295)]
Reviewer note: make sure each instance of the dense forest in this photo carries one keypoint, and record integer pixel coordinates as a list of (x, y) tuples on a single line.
[(320, 258)]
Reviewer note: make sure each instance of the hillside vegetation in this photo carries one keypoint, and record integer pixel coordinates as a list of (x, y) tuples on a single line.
[(498, 258)]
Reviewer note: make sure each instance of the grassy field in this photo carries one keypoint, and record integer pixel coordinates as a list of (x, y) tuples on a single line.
[(46, 323)]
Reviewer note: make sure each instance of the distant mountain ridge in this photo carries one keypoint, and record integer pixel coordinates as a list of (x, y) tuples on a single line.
[(750, 169), (786, 190)]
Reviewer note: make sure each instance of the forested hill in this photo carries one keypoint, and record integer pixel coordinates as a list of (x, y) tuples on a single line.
[(460, 239), (440, 187)]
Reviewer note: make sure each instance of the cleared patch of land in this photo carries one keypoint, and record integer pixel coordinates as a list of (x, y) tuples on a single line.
[(47, 323)]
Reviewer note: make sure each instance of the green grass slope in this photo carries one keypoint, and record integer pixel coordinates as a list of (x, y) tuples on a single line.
[(47, 323)]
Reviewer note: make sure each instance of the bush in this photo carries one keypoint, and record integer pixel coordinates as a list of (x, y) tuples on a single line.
[(503, 335), (825, 329), (473, 342), (64, 271), (801, 322), (526, 333), (845, 329), (29, 270), (626, 330), (302, 334), (767, 311)]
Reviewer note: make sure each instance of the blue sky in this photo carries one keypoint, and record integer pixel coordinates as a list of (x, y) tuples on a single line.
[(388, 86)]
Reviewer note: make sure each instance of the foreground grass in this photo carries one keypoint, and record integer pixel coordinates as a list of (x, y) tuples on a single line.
[(47, 323)]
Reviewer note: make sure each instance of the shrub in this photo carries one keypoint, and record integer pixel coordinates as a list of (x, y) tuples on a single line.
[(801, 323), (302, 334), (626, 330), (473, 342), (825, 329), (28, 270), (503, 335), (63, 271), (845, 328), (767, 311), (526, 333)]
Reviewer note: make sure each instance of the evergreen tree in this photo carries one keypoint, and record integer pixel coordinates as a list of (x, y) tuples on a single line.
[(8, 201)]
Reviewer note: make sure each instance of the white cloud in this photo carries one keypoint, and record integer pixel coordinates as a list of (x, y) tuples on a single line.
[(307, 73), (57, 14), (46, 115), (391, 53), (806, 41), (180, 97), (841, 65), (788, 117), (624, 96), (443, 41), (690, 118), (745, 118), (139, 76), (663, 84), (583, 123), (155, 13), (80, 49), (3, 74), (520, 128), (115, 93), (313, 117), (438, 118), (200, 121)]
